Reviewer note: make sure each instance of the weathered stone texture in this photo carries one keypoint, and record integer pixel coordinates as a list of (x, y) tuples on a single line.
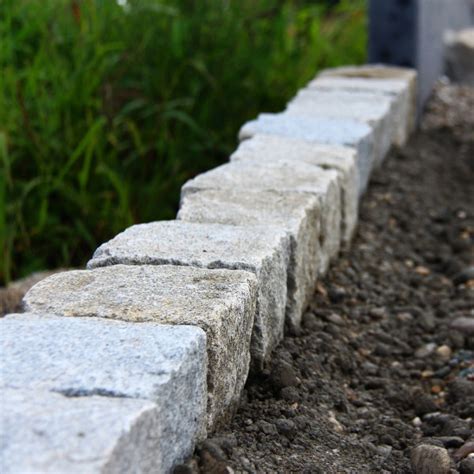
[(298, 213), (221, 302), (295, 177), (48, 433), (83, 357), (268, 148), (376, 111), (265, 253), (329, 131)]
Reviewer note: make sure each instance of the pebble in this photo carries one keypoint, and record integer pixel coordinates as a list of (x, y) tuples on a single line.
[(464, 275), (423, 404), (451, 441), (285, 427), (336, 319), (283, 375), (336, 294), (428, 459), (464, 325), (465, 450), (416, 421), (466, 466), (426, 350), (405, 317), (444, 352)]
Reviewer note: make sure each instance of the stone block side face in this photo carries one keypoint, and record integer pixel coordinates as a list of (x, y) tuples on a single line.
[(221, 302), (264, 252), (298, 214), (267, 148), (327, 131), (83, 357), (45, 432)]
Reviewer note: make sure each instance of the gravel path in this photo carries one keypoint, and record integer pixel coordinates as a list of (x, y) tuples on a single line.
[(385, 360)]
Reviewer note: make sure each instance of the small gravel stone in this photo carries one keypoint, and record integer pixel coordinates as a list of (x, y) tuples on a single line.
[(466, 466), (428, 459), (444, 352)]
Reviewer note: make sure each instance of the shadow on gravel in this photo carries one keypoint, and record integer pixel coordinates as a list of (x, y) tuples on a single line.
[(384, 361)]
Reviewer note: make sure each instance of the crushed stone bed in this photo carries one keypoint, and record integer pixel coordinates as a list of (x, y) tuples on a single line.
[(384, 361)]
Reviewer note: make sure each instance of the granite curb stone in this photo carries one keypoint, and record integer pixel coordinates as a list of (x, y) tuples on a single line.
[(297, 213), (83, 357), (268, 148), (221, 302), (375, 110), (48, 433), (265, 253), (327, 131), (295, 177)]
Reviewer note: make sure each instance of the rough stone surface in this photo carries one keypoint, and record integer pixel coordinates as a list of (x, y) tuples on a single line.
[(298, 214), (375, 110), (265, 253), (459, 55), (267, 148), (221, 302), (83, 357), (403, 101), (295, 177), (377, 75), (44, 432), (319, 130), (428, 459)]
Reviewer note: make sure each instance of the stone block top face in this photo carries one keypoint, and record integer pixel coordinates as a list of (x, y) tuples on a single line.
[(269, 148), (91, 356), (242, 208), (164, 294), (361, 106), (195, 244), (44, 432), (373, 71), (317, 130), (359, 84), (265, 176)]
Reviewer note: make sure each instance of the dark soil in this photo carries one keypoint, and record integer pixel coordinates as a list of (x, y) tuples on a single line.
[(383, 363)]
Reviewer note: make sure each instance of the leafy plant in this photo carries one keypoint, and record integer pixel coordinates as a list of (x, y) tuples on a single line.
[(107, 108)]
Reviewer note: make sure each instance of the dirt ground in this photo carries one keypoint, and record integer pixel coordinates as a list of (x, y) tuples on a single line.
[(384, 361)]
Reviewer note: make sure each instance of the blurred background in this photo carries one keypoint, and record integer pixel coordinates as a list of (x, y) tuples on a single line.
[(107, 107)]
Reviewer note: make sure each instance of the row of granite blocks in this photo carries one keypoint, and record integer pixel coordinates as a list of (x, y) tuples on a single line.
[(172, 315)]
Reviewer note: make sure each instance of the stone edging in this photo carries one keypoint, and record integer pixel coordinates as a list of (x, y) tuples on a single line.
[(175, 313)]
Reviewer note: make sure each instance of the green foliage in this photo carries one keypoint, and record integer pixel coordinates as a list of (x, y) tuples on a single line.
[(105, 110)]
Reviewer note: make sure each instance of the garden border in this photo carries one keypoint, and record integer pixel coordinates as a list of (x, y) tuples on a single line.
[(174, 314)]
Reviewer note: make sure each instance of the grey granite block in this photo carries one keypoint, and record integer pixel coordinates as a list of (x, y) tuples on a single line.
[(221, 302), (84, 357), (48, 433), (297, 213), (383, 78), (268, 148), (328, 131), (379, 112), (294, 177), (265, 253)]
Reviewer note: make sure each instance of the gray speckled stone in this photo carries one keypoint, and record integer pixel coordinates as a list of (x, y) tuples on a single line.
[(328, 131), (403, 101), (376, 111), (377, 75), (268, 148), (83, 357), (298, 214), (265, 252), (221, 302), (47, 433), (294, 177)]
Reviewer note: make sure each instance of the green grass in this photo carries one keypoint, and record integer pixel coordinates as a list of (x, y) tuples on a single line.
[(106, 110)]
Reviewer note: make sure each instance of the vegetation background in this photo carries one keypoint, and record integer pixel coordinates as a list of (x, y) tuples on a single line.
[(108, 106)]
